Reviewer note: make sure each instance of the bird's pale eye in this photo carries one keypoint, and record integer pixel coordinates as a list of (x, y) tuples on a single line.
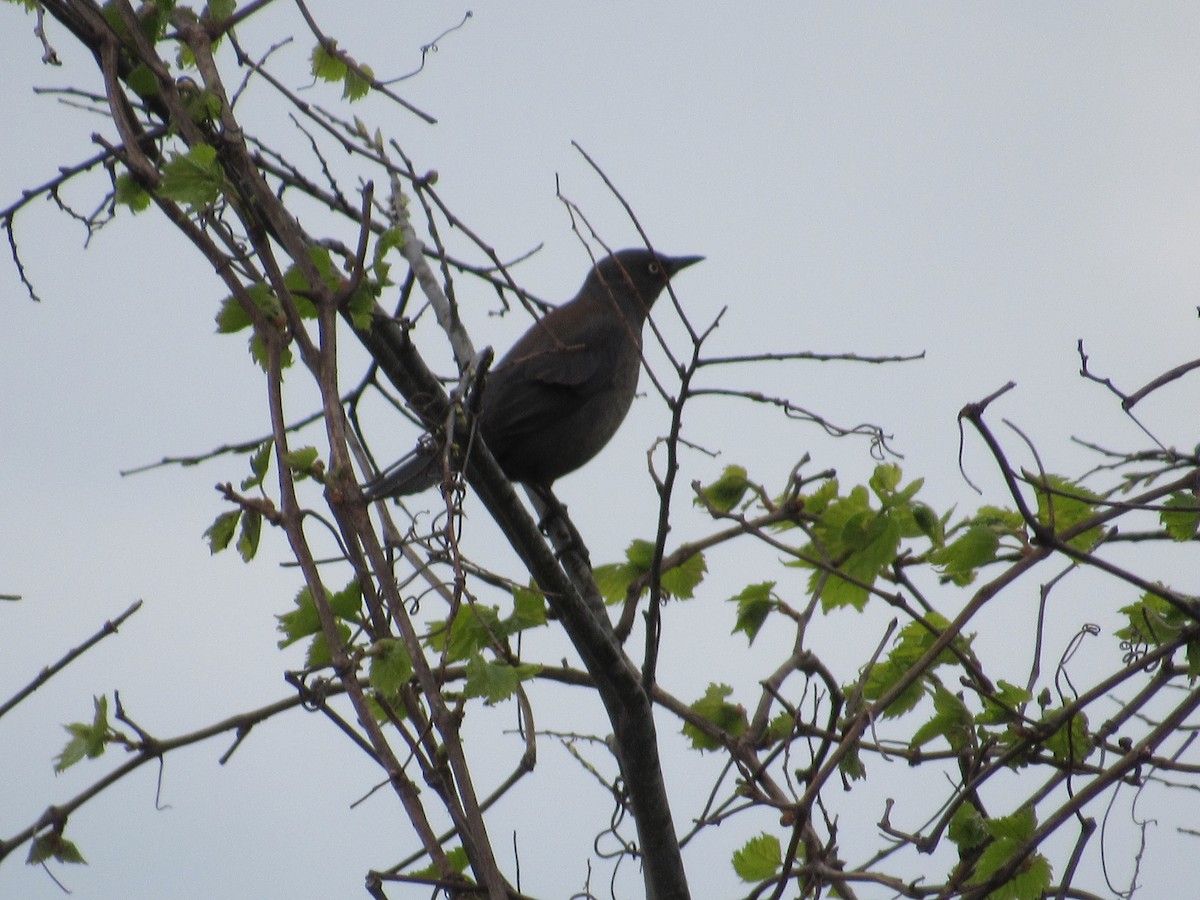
[(655, 268)]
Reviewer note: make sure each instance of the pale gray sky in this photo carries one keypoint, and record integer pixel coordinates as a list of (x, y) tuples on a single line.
[(984, 182)]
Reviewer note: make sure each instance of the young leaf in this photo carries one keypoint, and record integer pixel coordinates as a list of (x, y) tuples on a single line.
[(474, 627), (355, 86), (325, 65), (851, 766), (1180, 515), (681, 581), (729, 717), (495, 681), (726, 492), (975, 547), (251, 531), (318, 651), (951, 720), (1009, 700), (863, 539), (260, 464), (1062, 504), (300, 622), (346, 603), (759, 858), (529, 610), (391, 667), (194, 178), (232, 317), (968, 829), (613, 580), (132, 194), (87, 740), (457, 859), (1009, 835), (218, 10), (755, 603), (911, 644), (53, 845), (221, 531), (305, 463), (1072, 743)]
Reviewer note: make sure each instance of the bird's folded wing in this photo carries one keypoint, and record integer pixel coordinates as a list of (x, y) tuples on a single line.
[(527, 391)]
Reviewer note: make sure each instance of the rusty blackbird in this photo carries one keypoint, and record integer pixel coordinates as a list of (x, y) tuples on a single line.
[(558, 396)]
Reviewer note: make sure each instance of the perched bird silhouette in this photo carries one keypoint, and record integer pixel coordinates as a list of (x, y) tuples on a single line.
[(560, 394)]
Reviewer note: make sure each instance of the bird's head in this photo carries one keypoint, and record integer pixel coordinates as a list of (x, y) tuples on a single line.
[(636, 277)]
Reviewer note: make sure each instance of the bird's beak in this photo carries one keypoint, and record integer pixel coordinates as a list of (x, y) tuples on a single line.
[(674, 264)]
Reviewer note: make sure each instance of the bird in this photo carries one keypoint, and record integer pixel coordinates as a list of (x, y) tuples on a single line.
[(559, 395)]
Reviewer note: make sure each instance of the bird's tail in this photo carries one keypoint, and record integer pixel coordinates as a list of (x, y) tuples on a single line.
[(414, 473)]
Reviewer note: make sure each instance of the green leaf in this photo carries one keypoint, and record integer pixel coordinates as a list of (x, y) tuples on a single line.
[(1180, 515), (726, 492), (52, 845), (1009, 835), (1009, 700), (318, 651), (819, 500), (928, 523), (755, 603), (194, 178), (325, 65), (614, 579), (864, 540), (361, 307), (132, 194), (258, 352), (232, 317), (1062, 504), (1071, 743), (681, 581), (759, 858), (713, 707), (495, 681), (391, 667), (1006, 519), (911, 644), (355, 86), (851, 765), (260, 464), (221, 531), (347, 603), (218, 10), (203, 107), (251, 531), (475, 627), (457, 859), (300, 622), (885, 479), (975, 547), (529, 610), (302, 289), (780, 727), (968, 829), (391, 239), (1154, 621), (87, 740), (303, 461), (951, 720)]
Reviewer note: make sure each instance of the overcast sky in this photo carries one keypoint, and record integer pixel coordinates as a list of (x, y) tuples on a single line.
[(987, 183)]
